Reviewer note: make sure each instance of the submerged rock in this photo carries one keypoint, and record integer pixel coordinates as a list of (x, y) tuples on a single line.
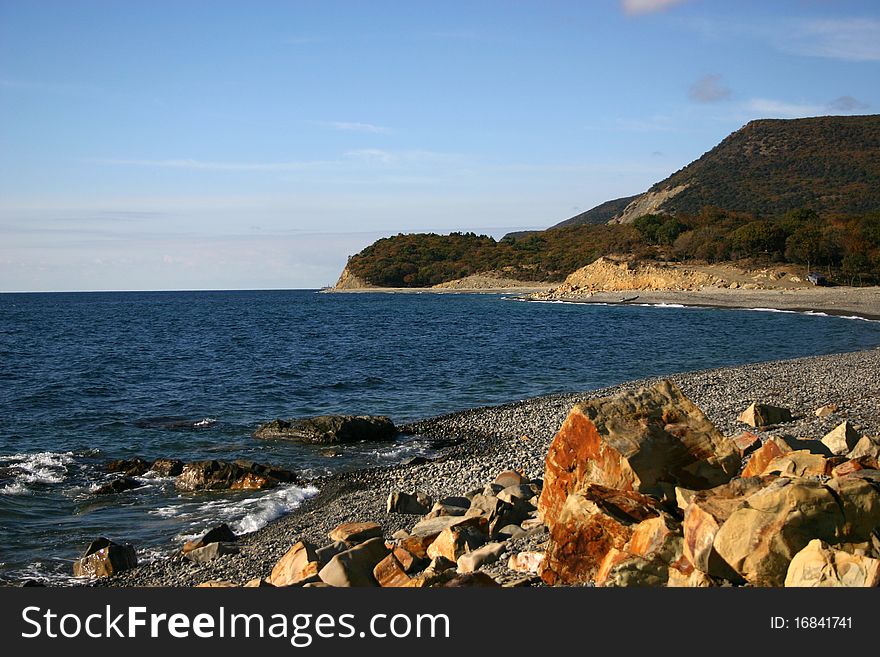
[(330, 429)]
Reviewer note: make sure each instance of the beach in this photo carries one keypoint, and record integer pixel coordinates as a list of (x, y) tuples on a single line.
[(517, 436)]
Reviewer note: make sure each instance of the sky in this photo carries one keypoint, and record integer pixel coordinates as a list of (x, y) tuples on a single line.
[(251, 145)]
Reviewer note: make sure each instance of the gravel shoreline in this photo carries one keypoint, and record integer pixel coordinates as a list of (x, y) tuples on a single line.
[(516, 436)]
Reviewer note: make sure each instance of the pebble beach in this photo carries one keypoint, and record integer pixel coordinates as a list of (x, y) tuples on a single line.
[(516, 436)]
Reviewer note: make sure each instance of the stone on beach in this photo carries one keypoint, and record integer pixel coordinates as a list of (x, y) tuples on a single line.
[(411, 503), (211, 551), (294, 566), (842, 439), (330, 429), (390, 572), (220, 533), (355, 532), (648, 441), (354, 567), (867, 446), (473, 560), (526, 561), (459, 539), (821, 565), (104, 558), (764, 415)]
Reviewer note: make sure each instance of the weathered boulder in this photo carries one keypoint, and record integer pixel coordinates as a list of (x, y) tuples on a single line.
[(167, 467), (103, 558), (590, 523), (526, 562), (694, 579), (854, 465), (499, 513), (622, 568), (224, 475), (523, 492), (117, 486), (776, 447), (459, 539), (211, 551), (746, 443), (390, 572), (764, 415), (867, 446), (704, 516), (129, 467), (821, 565), (408, 561), (648, 441), (510, 478), (440, 509), (221, 533), (327, 552), (330, 429), (800, 463), (354, 567), (411, 503), (761, 537), (842, 439), (473, 560), (355, 532), (294, 567)]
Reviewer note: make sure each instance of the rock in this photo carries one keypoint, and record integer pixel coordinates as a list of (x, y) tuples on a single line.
[(117, 486), (408, 561), (418, 545), (683, 497), (223, 475), (129, 467), (104, 558), (412, 503), (854, 465), (519, 492), (355, 532), (167, 467), (400, 535), (440, 509), (431, 527), (590, 523), (330, 429), (763, 415), (471, 580), (489, 490), (327, 552), (867, 446), (415, 460), (293, 567), (530, 524), (354, 567), (459, 539), (331, 452), (694, 579), (526, 562), (799, 464), (746, 443), (760, 538), (821, 565), (510, 531), (621, 568), (390, 572), (704, 516), (764, 455), (474, 560), (825, 411), (510, 478), (842, 439), (211, 551), (217, 584), (259, 583), (221, 533), (647, 441)]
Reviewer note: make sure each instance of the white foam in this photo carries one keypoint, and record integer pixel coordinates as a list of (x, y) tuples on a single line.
[(205, 422), (272, 506), (37, 468)]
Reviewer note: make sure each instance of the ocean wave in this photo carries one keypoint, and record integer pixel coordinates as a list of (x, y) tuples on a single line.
[(38, 468)]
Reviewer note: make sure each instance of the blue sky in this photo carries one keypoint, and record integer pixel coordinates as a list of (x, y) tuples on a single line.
[(232, 145)]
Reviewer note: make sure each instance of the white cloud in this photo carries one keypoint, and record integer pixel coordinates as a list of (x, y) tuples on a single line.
[(708, 89), (853, 39), (637, 7)]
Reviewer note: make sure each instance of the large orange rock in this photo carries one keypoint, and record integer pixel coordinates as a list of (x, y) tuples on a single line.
[(653, 550), (390, 572), (590, 524), (298, 564), (648, 441), (761, 457)]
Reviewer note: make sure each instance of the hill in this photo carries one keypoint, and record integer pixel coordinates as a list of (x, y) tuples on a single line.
[(601, 214), (829, 164)]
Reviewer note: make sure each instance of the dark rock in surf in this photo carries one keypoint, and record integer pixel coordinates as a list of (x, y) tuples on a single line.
[(117, 486), (237, 475), (129, 467), (167, 467), (330, 429)]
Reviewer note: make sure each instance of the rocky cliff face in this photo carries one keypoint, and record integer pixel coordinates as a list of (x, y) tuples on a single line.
[(348, 281), (647, 203)]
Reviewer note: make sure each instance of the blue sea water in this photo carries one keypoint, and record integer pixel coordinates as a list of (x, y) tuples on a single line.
[(89, 377)]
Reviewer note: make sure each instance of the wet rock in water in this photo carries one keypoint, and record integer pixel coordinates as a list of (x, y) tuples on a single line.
[(355, 532), (129, 467), (211, 551), (221, 533), (648, 441), (764, 415), (117, 486), (354, 567), (167, 467), (223, 475), (411, 503), (331, 452), (842, 439), (298, 564), (822, 565), (330, 429), (103, 558)]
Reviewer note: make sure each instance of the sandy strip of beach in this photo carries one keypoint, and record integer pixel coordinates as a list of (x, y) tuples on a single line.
[(516, 436)]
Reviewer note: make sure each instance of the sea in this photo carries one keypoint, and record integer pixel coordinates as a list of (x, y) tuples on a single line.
[(90, 377)]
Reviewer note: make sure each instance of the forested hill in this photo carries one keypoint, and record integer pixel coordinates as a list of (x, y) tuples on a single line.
[(803, 191)]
